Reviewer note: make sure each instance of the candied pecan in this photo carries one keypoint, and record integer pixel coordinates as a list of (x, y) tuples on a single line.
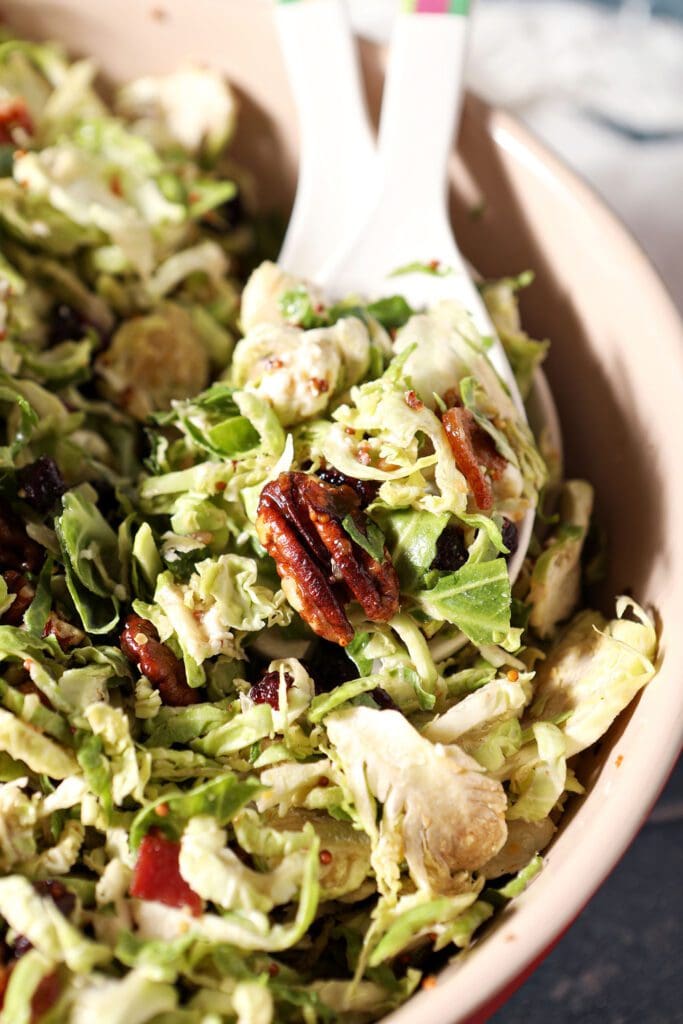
[(67, 635), (365, 489), (140, 643), (300, 525), (474, 453), (23, 591), (17, 550)]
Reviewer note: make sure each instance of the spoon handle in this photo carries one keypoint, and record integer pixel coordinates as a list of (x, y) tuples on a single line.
[(338, 167), (422, 100)]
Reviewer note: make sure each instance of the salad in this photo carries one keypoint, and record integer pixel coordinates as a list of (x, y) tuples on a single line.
[(278, 735)]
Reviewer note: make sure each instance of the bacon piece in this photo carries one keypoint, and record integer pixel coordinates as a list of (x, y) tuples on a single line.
[(156, 875), (413, 401), (474, 453), (14, 114), (45, 996), (140, 643)]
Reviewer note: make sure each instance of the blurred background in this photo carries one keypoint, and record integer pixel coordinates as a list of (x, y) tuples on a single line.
[(602, 84)]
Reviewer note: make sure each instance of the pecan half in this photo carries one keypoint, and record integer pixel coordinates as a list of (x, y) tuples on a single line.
[(299, 524), (475, 454), (141, 645)]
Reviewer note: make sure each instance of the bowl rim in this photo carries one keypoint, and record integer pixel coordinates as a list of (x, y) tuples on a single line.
[(530, 927)]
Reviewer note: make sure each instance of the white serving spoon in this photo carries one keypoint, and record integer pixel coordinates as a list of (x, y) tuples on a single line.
[(338, 169), (394, 198)]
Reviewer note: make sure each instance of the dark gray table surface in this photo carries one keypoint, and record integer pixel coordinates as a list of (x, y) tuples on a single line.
[(622, 961)]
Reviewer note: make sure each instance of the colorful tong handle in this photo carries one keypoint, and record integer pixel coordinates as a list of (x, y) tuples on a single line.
[(435, 6)]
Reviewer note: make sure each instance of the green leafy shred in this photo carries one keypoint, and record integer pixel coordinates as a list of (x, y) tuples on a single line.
[(371, 540), (434, 268)]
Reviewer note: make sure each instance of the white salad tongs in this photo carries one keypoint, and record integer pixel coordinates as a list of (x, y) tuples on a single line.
[(361, 210)]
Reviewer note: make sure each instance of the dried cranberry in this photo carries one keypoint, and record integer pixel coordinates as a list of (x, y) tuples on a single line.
[(267, 690), (451, 553), (63, 898), (67, 324), (365, 489), (20, 946), (17, 550), (510, 537), (41, 484), (226, 217), (329, 666), (384, 700)]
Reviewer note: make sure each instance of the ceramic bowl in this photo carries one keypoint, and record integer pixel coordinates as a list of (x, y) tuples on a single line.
[(616, 369)]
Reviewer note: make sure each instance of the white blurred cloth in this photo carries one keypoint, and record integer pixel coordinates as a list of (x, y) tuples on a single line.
[(603, 88)]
